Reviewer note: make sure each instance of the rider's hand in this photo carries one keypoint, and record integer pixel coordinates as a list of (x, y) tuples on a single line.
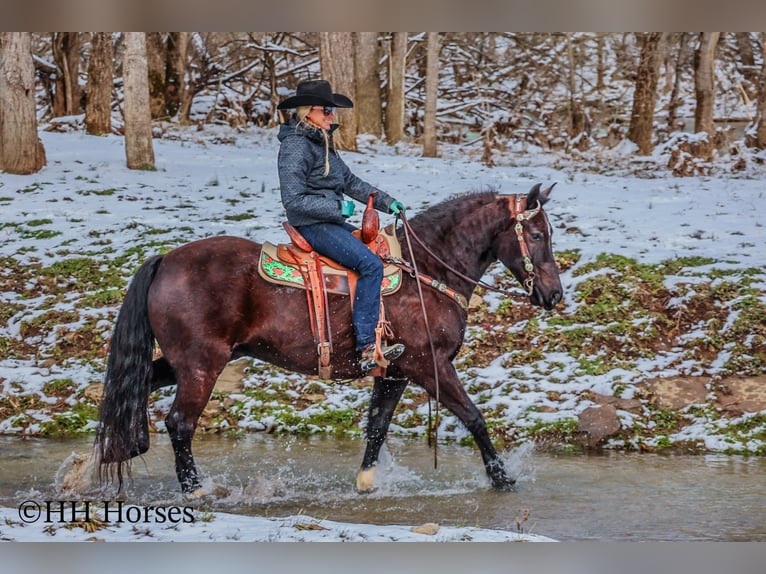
[(396, 207), (347, 208)]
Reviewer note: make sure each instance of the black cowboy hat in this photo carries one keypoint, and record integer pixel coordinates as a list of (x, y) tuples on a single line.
[(315, 93)]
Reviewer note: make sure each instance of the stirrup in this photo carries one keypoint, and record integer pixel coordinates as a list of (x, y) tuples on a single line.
[(367, 360)]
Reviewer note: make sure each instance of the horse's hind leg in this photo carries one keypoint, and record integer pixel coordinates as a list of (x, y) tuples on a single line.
[(385, 396), (194, 388)]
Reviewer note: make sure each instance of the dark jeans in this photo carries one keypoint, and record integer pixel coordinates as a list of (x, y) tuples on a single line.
[(336, 242)]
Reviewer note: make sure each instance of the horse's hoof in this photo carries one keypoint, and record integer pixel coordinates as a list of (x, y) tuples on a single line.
[(365, 480), (195, 494), (507, 485)]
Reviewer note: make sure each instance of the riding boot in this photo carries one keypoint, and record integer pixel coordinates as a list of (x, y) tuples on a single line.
[(367, 360)]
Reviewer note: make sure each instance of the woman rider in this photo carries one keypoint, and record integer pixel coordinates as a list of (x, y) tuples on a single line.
[(313, 182)]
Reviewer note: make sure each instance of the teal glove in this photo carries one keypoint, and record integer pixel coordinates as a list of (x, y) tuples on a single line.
[(347, 208), (396, 207)]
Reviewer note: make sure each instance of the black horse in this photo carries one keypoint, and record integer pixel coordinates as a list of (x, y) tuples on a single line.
[(205, 304)]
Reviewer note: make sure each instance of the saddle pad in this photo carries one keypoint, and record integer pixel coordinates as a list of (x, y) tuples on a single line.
[(275, 270)]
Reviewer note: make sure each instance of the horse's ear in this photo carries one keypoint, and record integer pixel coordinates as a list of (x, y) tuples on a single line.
[(533, 196), (547, 193)]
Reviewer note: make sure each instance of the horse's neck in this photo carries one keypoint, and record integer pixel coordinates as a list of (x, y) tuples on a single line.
[(465, 245)]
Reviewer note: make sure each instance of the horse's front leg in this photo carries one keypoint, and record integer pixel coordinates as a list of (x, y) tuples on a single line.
[(453, 396), (385, 396)]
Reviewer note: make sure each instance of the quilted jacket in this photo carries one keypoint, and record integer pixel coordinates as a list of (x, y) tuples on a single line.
[(307, 194)]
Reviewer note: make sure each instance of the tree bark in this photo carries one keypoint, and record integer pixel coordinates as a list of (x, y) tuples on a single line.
[(98, 104), (21, 151), (155, 61), (432, 86), (760, 121), (336, 58), (175, 73), (395, 88), (704, 59), (645, 94), (66, 55), (368, 105), (746, 57), (674, 101), (138, 125)]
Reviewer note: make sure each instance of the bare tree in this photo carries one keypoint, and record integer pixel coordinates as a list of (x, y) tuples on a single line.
[(432, 86), (175, 67), (21, 151), (66, 55), (759, 140), (645, 95), (155, 63), (98, 104), (704, 84), (674, 100), (395, 87), (336, 56), (138, 125), (368, 102)]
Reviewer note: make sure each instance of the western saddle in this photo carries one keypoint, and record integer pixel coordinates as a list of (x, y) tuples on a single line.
[(297, 265)]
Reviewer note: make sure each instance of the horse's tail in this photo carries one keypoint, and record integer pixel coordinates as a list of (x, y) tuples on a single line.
[(123, 424)]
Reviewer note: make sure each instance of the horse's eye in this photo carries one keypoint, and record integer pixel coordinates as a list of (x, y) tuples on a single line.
[(537, 236)]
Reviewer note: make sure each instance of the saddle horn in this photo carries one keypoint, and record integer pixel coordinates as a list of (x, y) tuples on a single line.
[(370, 221)]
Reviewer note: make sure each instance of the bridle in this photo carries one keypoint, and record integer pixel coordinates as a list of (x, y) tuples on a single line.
[(517, 207)]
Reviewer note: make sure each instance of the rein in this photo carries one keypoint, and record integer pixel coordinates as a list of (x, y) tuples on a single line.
[(407, 231), (519, 213)]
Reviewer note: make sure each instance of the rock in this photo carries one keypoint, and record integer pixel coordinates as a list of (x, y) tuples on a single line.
[(676, 393), (739, 395), (230, 379), (633, 405), (429, 528), (94, 392), (598, 423)]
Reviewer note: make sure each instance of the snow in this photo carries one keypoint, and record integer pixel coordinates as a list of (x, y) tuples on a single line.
[(220, 181), (225, 527)]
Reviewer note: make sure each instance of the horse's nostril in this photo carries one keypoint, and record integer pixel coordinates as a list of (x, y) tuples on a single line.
[(555, 298)]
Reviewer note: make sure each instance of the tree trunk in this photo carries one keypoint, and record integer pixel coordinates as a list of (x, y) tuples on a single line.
[(746, 57), (155, 62), (395, 88), (704, 59), (21, 151), (138, 125), (336, 58), (368, 105), (175, 72), (645, 94), (432, 87), (674, 101), (98, 105), (66, 55), (577, 119), (760, 121)]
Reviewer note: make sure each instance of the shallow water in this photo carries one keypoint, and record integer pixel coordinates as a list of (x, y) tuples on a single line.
[(612, 496)]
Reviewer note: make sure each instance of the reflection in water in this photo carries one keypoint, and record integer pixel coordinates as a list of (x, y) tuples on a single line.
[(613, 496)]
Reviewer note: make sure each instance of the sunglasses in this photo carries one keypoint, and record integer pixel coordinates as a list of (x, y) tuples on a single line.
[(326, 110)]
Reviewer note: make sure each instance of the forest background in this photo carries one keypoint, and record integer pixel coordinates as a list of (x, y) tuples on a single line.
[(576, 93)]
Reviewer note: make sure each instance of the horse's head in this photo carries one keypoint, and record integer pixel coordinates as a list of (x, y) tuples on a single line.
[(525, 247)]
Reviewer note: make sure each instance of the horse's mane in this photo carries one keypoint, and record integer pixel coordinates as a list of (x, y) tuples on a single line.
[(434, 223)]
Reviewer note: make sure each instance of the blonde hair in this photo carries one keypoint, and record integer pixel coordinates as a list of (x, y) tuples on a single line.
[(302, 112)]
